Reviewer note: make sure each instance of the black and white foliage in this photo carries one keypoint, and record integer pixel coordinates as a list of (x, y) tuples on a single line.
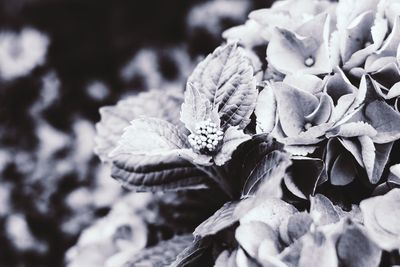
[(300, 141)]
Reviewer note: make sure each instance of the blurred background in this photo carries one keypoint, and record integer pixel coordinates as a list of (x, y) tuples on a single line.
[(60, 60)]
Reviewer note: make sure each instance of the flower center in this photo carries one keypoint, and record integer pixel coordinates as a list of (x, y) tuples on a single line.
[(367, 43), (309, 61), (308, 125), (206, 137)]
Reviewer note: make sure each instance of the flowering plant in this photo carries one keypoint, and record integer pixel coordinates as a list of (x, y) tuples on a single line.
[(296, 121)]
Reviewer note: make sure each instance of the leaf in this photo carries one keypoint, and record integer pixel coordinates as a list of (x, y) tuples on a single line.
[(221, 219), (184, 210), (253, 151), (385, 120), (266, 110), (161, 255), (191, 255), (354, 248), (232, 139), (226, 79), (162, 104), (267, 174), (155, 173), (150, 136), (196, 108), (247, 156), (302, 185)]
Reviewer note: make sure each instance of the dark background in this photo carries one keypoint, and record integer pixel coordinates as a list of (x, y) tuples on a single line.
[(90, 40)]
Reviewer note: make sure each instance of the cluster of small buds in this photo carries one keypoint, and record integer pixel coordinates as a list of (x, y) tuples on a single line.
[(206, 137)]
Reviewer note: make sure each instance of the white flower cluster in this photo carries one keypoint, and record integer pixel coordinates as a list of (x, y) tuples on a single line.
[(207, 137)]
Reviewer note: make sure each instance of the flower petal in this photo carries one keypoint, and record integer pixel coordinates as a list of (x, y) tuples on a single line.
[(293, 106), (305, 50)]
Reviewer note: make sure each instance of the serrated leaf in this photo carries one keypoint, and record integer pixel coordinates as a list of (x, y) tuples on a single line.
[(267, 174), (114, 119), (225, 77), (150, 136), (196, 108), (155, 173), (221, 219), (232, 139), (161, 255)]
